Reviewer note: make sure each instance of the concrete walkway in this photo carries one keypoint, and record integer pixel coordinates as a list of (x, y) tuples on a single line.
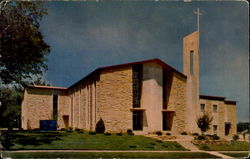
[(185, 141)]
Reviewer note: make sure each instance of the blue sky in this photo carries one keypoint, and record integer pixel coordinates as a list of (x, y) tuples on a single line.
[(86, 35)]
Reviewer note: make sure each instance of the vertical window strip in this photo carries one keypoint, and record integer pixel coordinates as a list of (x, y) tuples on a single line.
[(137, 84), (80, 110), (164, 89), (87, 105), (191, 62)]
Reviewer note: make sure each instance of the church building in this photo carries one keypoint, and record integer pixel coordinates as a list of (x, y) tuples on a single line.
[(144, 96)]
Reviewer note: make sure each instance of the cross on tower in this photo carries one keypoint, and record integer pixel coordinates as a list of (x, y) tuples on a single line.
[(198, 26), (198, 19)]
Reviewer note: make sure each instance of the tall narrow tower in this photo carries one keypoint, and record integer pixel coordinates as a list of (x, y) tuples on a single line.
[(191, 70)]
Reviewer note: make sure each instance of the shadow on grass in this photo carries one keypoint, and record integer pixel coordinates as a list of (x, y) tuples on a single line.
[(35, 138)]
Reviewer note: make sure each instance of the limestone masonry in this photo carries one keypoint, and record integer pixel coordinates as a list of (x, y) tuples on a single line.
[(144, 96)]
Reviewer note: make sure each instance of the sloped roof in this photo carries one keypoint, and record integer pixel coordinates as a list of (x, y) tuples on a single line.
[(156, 60)]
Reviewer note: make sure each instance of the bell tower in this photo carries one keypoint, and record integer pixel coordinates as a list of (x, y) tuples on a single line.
[(191, 70)]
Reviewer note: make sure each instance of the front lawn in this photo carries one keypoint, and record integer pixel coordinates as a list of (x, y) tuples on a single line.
[(28, 140), (109, 155), (237, 155), (234, 146)]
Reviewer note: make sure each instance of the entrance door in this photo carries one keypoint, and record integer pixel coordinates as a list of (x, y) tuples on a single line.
[(167, 120), (66, 121)]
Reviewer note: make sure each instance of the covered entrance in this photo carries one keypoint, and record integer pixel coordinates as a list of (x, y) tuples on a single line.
[(167, 120)]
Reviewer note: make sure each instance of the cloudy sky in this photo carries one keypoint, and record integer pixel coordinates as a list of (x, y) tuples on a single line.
[(86, 35)]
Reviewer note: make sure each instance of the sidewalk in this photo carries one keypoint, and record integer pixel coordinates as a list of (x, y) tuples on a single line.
[(185, 141)]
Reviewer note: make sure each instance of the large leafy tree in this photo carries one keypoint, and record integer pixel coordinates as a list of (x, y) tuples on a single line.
[(22, 47), (22, 55)]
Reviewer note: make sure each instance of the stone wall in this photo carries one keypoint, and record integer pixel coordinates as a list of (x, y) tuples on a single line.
[(231, 117), (114, 99), (37, 106), (63, 109), (225, 113), (177, 102)]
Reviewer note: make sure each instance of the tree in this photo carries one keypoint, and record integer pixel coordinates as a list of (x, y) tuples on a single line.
[(204, 122), (22, 48), (10, 107)]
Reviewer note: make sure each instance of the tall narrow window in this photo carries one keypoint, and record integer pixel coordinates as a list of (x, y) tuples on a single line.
[(214, 108), (55, 106), (215, 129), (137, 78), (137, 120), (164, 121), (191, 62), (164, 89), (202, 107)]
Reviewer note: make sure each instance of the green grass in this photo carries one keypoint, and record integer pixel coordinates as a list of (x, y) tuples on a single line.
[(109, 155), (74, 140), (236, 154), (234, 146)]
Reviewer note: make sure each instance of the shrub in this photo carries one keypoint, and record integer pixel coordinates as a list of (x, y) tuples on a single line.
[(119, 134), (63, 129), (201, 137), (100, 127), (132, 146), (159, 141), (236, 137), (79, 130), (215, 137), (159, 133), (205, 147), (150, 147), (164, 145), (152, 143), (168, 134), (129, 131), (195, 134), (70, 129), (184, 133), (92, 133), (107, 134)]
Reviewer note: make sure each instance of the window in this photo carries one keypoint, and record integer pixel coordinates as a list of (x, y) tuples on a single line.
[(214, 108), (137, 75), (55, 105), (137, 120), (191, 62), (227, 128), (202, 107), (215, 129), (164, 89)]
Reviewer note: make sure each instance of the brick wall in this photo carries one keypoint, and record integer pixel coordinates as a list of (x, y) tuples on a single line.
[(114, 99)]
